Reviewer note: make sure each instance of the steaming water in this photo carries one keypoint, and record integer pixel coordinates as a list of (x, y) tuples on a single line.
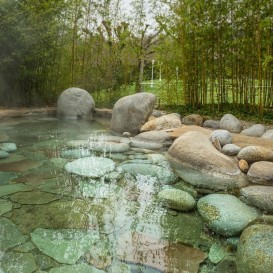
[(55, 200)]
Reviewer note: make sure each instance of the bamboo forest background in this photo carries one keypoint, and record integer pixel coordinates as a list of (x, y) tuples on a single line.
[(202, 54)]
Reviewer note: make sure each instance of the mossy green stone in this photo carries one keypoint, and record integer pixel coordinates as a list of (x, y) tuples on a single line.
[(5, 206), (79, 268), (177, 199)]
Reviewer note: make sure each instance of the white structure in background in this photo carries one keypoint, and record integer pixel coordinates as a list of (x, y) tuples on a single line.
[(152, 78)]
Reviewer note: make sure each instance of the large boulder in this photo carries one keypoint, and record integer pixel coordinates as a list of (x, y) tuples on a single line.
[(226, 214), (255, 153), (131, 112), (74, 103), (231, 123), (199, 163), (256, 130), (258, 196), (255, 250), (162, 123), (261, 173)]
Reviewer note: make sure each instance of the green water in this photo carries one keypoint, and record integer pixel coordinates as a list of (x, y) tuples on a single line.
[(53, 221)]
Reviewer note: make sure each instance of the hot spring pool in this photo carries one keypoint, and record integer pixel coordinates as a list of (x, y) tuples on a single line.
[(54, 221)]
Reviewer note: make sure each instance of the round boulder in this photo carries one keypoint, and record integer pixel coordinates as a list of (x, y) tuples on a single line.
[(231, 123), (162, 123), (261, 173), (8, 147), (213, 124), (258, 196), (226, 214), (197, 162), (74, 103), (256, 130), (131, 112), (255, 250), (193, 119), (177, 199), (3, 154), (268, 134), (223, 136), (255, 153)]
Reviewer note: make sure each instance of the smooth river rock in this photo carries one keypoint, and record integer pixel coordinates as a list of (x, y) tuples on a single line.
[(255, 153), (231, 149), (223, 136), (261, 173), (258, 196), (131, 112), (197, 162), (256, 130), (226, 214), (255, 250), (193, 119), (8, 147)]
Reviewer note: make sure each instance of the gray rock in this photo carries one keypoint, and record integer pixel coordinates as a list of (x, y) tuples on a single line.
[(162, 123), (197, 162), (131, 112), (226, 214), (74, 103), (223, 136), (8, 147), (213, 124), (227, 265), (146, 145), (109, 147), (6, 177), (231, 149), (3, 154), (64, 245), (268, 134), (176, 199), (261, 173), (231, 123), (258, 196), (93, 167), (255, 250), (217, 253), (255, 153), (77, 144), (256, 130), (193, 119), (75, 153)]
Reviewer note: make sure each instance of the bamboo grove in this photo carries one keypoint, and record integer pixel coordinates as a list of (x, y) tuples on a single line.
[(212, 53)]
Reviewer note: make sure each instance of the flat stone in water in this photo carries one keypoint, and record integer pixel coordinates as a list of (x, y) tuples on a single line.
[(93, 167), (27, 247), (64, 245), (20, 166), (12, 158), (80, 268), (6, 177), (5, 206), (164, 174), (8, 147), (33, 197), (12, 188), (10, 236), (18, 262), (217, 253), (3, 137)]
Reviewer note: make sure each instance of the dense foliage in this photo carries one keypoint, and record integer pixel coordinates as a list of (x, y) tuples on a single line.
[(214, 54)]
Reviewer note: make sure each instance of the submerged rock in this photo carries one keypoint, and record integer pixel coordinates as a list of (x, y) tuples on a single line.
[(197, 162), (75, 153), (146, 145), (12, 188), (64, 245), (6, 177), (93, 167), (10, 236), (5, 206), (177, 199), (17, 262), (20, 166), (255, 250), (226, 214), (79, 268), (8, 147), (3, 154), (131, 112)]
